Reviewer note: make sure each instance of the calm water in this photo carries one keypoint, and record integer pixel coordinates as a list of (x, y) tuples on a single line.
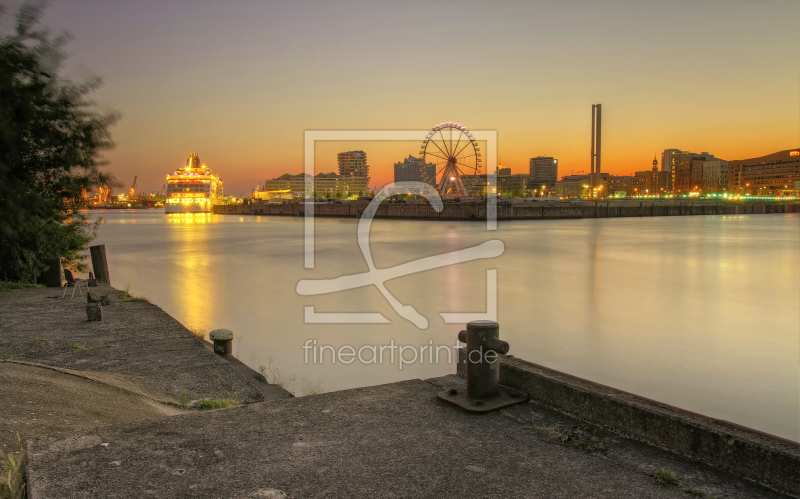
[(698, 312)]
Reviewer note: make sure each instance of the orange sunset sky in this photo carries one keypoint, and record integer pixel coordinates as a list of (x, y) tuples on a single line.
[(239, 82)]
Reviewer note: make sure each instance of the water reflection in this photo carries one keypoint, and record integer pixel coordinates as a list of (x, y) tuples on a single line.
[(190, 273)]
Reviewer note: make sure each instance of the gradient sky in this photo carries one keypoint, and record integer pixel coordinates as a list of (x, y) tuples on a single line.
[(239, 82)]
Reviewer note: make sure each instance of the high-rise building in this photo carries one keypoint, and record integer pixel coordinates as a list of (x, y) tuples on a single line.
[(669, 163), (353, 163), (688, 174), (766, 174), (692, 172), (544, 171), (715, 176), (413, 169)]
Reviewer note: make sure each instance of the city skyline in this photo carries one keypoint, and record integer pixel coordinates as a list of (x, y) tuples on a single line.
[(244, 83)]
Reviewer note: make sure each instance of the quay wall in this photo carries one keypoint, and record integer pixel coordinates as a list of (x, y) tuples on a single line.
[(747, 453), (521, 210)]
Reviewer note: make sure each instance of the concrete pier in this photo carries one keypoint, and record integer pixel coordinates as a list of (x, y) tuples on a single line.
[(521, 210)]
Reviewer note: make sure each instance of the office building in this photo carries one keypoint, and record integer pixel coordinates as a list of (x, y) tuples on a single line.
[(353, 163), (544, 172), (323, 184), (768, 174), (579, 186)]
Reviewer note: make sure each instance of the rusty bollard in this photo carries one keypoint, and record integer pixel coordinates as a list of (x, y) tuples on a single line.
[(223, 342), (484, 393)]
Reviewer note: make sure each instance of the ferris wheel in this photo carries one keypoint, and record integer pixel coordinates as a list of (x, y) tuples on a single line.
[(457, 157)]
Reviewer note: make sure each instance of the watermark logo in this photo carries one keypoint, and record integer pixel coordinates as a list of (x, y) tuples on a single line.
[(378, 277)]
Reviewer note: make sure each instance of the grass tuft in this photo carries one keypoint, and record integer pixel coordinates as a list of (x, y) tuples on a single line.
[(215, 403), (571, 435), (663, 477), (309, 387), (199, 332), (275, 376), (588, 445), (183, 401), (127, 296), (7, 356), (9, 285), (13, 482)]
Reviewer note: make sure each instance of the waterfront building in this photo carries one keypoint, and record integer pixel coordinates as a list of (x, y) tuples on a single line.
[(413, 169), (353, 163), (580, 186), (686, 175), (544, 171), (715, 176), (649, 182), (768, 174), (618, 185), (329, 184), (516, 184), (193, 189), (669, 163), (503, 172)]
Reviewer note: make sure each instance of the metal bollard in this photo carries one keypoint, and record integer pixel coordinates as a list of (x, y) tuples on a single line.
[(484, 393), (223, 342)]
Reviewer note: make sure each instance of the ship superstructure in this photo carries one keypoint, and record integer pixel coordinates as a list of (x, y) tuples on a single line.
[(193, 189)]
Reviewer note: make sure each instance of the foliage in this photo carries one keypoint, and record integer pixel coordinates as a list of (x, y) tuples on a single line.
[(666, 478), (214, 403), (9, 285), (199, 332), (7, 356), (13, 481), (274, 376), (50, 138), (127, 296)]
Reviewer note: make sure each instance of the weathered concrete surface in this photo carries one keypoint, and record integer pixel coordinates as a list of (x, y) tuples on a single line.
[(40, 400), (136, 342), (763, 458), (393, 440)]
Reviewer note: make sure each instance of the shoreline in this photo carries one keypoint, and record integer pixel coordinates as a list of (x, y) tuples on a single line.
[(520, 210)]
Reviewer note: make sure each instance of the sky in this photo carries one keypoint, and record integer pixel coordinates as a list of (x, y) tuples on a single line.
[(239, 82)]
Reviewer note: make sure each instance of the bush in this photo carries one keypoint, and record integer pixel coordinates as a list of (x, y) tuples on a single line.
[(50, 140)]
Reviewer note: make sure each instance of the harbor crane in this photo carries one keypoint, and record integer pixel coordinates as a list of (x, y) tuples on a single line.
[(133, 187)]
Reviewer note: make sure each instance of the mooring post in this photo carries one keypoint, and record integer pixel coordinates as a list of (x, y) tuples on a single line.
[(484, 393), (223, 342), (99, 263)]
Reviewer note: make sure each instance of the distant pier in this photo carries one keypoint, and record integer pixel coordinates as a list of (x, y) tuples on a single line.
[(522, 210)]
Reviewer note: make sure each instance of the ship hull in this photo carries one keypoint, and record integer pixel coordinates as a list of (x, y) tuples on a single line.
[(188, 208)]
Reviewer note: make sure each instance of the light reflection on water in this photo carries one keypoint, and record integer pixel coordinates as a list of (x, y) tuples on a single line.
[(698, 312)]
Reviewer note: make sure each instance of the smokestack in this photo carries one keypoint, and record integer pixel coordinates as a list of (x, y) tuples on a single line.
[(596, 126), (591, 170), (599, 127)]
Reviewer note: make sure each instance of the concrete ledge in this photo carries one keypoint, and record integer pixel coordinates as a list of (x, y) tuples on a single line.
[(758, 456)]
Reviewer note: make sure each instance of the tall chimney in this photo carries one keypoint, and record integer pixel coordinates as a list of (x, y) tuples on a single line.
[(591, 170), (597, 145), (595, 172)]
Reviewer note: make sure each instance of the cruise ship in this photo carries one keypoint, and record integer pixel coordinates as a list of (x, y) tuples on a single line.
[(193, 189)]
